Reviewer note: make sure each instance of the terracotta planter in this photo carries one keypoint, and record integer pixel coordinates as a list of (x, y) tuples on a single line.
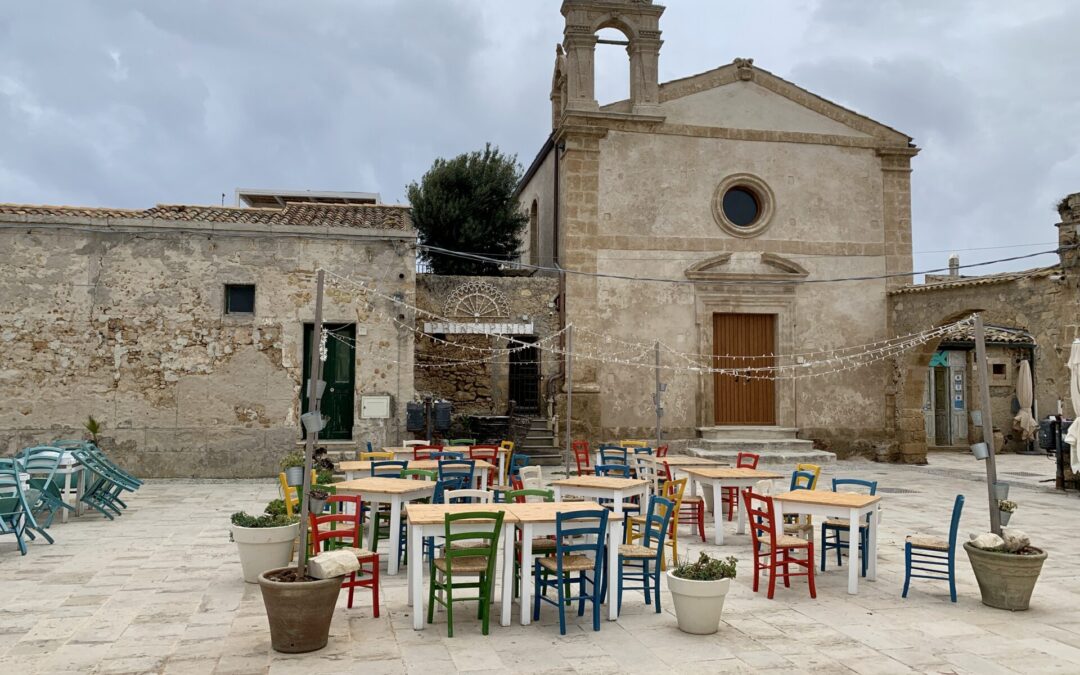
[(1006, 580), (698, 604), (263, 548), (299, 612)]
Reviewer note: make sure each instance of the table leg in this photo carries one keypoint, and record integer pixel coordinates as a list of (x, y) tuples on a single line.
[(854, 568), (526, 573), (373, 520), (68, 487), (871, 548), (615, 536), (557, 493), (80, 508), (503, 478), (483, 479), (416, 575), (740, 509), (395, 534), (718, 516), (507, 574), (350, 475)]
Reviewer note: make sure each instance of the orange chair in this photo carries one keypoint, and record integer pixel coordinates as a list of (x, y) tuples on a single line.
[(692, 508), (581, 457), (746, 460), (773, 549), (345, 531)]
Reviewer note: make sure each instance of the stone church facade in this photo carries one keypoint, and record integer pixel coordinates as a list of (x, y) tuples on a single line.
[(749, 189)]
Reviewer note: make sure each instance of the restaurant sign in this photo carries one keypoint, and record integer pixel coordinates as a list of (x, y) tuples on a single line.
[(467, 328)]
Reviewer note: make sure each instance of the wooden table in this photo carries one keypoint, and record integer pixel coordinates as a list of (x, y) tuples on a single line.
[(351, 469), (429, 520), (602, 487), (720, 478), (681, 461), (538, 520), (854, 507), (392, 491)]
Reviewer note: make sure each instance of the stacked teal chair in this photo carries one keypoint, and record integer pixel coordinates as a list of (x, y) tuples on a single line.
[(106, 482), (577, 534), (832, 528), (15, 515), (42, 462)]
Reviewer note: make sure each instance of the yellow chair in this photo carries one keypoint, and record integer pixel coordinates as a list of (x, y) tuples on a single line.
[(673, 490), (810, 468), (798, 525), (290, 495), (375, 456), (509, 445), (632, 443)]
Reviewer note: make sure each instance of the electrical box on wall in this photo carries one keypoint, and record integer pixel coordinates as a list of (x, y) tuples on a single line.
[(375, 407)]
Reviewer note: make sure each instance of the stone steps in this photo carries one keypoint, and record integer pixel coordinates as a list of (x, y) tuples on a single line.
[(778, 447), (748, 432), (540, 445)]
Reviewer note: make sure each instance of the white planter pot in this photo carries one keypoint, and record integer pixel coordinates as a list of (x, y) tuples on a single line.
[(698, 604), (264, 548)]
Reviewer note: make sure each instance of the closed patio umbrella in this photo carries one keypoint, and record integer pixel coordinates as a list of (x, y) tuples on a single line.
[(1073, 437), (1024, 421)]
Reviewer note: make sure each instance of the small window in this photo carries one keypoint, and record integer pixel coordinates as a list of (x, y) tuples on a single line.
[(741, 206), (239, 298), (999, 370)]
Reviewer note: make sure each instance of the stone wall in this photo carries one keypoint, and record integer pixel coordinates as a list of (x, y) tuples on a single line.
[(481, 387), (123, 319)]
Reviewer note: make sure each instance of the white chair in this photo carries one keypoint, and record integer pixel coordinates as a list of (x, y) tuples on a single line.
[(530, 473), (413, 444), (473, 496)]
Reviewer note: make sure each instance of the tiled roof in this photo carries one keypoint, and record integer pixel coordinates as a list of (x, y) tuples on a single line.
[(998, 335), (985, 280), (294, 213)]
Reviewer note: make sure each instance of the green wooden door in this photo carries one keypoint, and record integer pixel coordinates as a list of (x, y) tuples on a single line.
[(339, 373)]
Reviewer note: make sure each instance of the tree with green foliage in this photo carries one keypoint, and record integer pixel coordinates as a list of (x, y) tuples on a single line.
[(467, 204)]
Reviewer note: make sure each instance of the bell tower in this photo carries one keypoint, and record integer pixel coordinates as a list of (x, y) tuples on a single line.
[(574, 85)]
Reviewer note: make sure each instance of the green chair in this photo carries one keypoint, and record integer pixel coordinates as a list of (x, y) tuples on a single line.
[(473, 555), (461, 441), (45, 497), (15, 516)]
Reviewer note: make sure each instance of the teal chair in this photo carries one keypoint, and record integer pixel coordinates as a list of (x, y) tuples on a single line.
[(644, 560), (933, 557), (15, 515), (46, 497), (577, 535), (832, 528)]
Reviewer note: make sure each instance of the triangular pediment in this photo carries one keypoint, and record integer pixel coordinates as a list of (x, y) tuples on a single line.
[(749, 266), (740, 95)]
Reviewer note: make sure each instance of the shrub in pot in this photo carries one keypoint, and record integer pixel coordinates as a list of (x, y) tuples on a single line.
[(698, 590), (293, 466), (264, 542), (1006, 568)]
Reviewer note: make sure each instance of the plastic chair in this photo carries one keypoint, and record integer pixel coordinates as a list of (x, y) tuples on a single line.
[(45, 495), (15, 515), (833, 528), (457, 474), (105, 483), (935, 557), (374, 456), (470, 553), (388, 469), (649, 553), (774, 547), (745, 460), (344, 530), (581, 457), (577, 534)]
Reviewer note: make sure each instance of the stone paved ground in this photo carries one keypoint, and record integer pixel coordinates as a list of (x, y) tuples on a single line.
[(159, 590)]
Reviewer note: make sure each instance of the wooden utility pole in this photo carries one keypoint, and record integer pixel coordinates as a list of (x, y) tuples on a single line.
[(314, 406), (656, 398), (987, 423), (569, 394)]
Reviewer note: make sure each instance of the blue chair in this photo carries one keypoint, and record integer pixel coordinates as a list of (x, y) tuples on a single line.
[(613, 470), (650, 552), (832, 528), (517, 461), (613, 454), (577, 534), (388, 468), (801, 480), (457, 474), (446, 455), (934, 557)]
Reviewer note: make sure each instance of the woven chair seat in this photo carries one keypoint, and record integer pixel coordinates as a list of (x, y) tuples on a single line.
[(462, 545), (842, 523), (926, 541), (573, 498), (636, 551), (788, 541), (540, 545), (692, 499), (798, 528), (570, 563), (473, 564)]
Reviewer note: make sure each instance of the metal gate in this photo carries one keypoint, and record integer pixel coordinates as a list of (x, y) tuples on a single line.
[(525, 378)]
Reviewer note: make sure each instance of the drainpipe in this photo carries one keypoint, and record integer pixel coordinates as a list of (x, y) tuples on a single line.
[(560, 375)]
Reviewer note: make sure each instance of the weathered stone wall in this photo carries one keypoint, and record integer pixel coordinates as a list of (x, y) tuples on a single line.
[(481, 387), (124, 320)]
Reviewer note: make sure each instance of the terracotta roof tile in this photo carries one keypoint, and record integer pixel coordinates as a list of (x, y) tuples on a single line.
[(997, 335), (986, 280)]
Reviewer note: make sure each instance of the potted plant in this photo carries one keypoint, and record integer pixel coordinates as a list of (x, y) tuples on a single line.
[(264, 542), (698, 590), (293, 466), (1006, 568), (1006, 507)]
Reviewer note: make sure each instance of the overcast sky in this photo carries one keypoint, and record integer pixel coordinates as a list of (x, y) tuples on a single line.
[(130, 103)]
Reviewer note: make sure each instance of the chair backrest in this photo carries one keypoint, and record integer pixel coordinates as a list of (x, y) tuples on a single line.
[(288, 495), (581, 455), (645, 470), (389, 469), (763, 487), (529, 472), (869, 485), (467, 496), (613, 455), (461, 441), (484, 528), (413, 444), (747, 460), (802, 480), (811, 468), (665, 472), (341, 524), (524, 496), (41, 462), (374, 456), (420, 474), (518, 462), (633, 443), (508, 445), (446, 454), (581, 532), (657, 522), (613, 470), (674, 490), (425, 451), (662, 450), (532, 483), (642, 450), (954, 526), (457, 469), (761, 513), (13, 506), (488, 453)]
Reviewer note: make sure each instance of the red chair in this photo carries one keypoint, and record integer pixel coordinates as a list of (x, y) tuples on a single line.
[(489, 454), (343, 529), (773, 549), (692, 510), (581, 456), (661, 450), (424, 451), (746, 460)]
